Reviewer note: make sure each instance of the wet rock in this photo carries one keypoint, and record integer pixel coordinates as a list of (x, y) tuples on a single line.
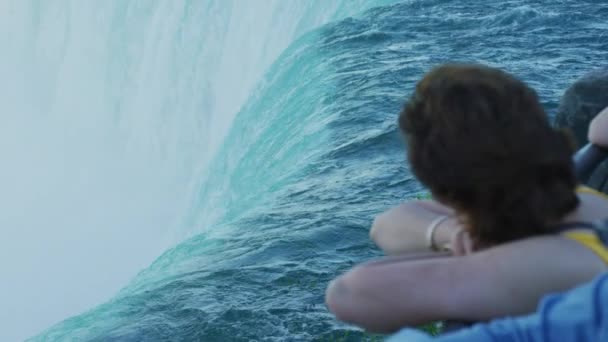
[(579, 105)]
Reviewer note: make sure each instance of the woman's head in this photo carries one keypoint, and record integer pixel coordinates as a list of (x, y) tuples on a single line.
[(479, 139)]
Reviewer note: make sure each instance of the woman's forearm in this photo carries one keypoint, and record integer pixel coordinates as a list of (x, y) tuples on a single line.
[(505, 280), (377, 299)]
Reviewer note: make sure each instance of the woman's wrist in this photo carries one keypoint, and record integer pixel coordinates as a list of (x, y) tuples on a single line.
[(445, 231), (430, 232)]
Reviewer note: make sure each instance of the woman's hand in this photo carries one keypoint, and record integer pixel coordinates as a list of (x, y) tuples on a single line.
[(461, 243)]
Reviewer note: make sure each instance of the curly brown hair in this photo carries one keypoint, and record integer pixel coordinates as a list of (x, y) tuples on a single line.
[(480, 140)]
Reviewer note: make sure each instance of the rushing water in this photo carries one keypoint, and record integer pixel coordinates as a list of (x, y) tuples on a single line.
[(262, 144), (110, 113)]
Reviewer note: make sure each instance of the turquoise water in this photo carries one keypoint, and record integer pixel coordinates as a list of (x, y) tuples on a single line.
[(111, 113), (285, 203)]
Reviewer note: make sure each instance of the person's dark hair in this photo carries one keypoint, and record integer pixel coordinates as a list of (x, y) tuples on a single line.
[(479, 139)]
